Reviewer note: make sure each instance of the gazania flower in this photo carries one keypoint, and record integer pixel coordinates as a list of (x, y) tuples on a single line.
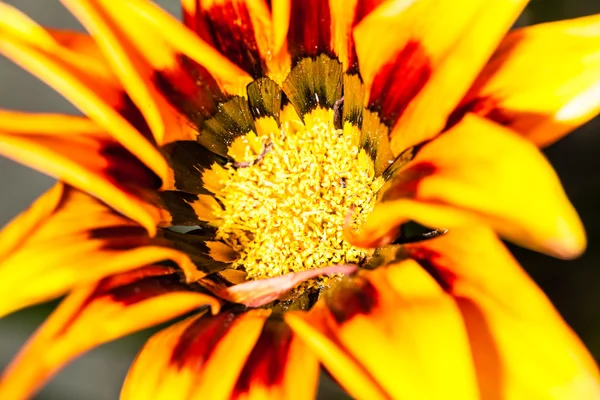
[(306, 145)]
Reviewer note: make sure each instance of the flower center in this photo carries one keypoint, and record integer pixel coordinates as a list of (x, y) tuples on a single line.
[(286, 198)]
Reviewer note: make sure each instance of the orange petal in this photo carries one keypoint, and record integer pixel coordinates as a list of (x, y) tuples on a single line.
[(521, 346), (77, 151), (162, 40), (199, 358), (280, 366), (69, 238), (491, 176), (418, 75), (135, 72), (84, 80), (543, 81), (259, 292), (387, 324), (90, 316)]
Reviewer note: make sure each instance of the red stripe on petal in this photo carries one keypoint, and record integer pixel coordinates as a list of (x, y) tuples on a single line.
[(197, 342), (359, 297), (228, 27), (309, 33), (486, 107), (266, 364), (95, 314), (362, 9), (399, 82)]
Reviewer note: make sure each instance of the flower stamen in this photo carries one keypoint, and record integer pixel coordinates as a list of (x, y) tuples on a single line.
[(287, 212)]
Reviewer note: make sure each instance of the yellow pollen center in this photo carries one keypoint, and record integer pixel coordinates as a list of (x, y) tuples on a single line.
[(286, 212)]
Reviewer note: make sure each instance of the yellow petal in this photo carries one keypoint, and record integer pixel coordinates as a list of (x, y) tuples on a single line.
[(280, 366), (135, 72), (481, 173), (199, 358), (419, 74), (68, 238), (139, 18), (79, 152), (96, 314), (389, 321), (521, 347), (543, 81), (82, 78), (242, 30)]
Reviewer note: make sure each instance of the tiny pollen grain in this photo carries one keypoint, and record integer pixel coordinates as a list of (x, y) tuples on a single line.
[(287, 212)]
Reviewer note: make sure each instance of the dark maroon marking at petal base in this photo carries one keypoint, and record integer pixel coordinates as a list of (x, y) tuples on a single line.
[(309, 32), (147, 288), (428, 260), (199, 340), (228, 27), (486, 107), (362, 9), (405, 182), (129, 288), (359, 297), (124, 169), (399, 82), (265, 366), (132, 113), (117, 231), (191, 89)]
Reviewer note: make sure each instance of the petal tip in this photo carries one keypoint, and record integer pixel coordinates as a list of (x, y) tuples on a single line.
[(571, 241)]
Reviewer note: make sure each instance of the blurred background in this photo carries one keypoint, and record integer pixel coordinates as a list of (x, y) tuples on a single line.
[(573, 286)]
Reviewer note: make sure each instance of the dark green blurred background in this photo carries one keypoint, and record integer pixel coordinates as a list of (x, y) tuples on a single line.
[(573, 286)]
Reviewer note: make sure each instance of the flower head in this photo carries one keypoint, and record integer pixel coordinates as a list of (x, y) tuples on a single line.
[(342, 171)]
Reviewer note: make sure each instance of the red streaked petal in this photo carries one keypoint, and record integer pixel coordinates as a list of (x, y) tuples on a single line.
[(76, 150), (388, 322), (84, 80), (240, 29), (137, 18), (429, 63), (280, 366), (561, 63), (310, 30), (135, 72), (68, 238), (521, 347), (259, 292), (199, 358), (479, 182), (90, 316)]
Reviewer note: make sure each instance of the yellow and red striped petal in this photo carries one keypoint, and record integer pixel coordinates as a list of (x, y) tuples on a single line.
[(79, 152), (135, 73), (162, 40), (96, 314), (391, 333), (345, 15), (280, 366), (418, 75), (82, 78), (69, 238), (481, 173), (543, 81), (199, 358), (242, 30), (521, 347)]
